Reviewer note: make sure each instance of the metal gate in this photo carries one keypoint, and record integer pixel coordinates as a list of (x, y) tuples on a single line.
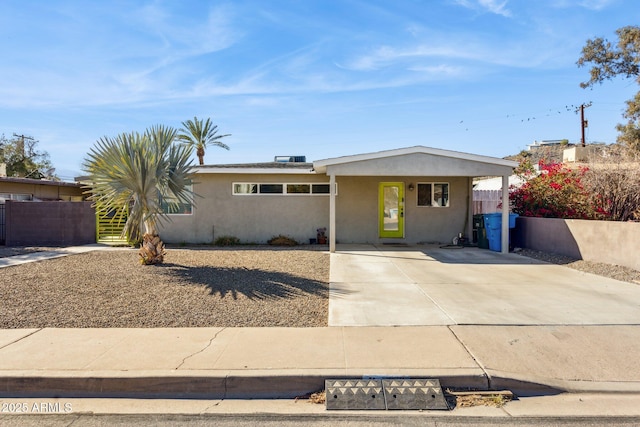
[(3, 225), (109, 226)]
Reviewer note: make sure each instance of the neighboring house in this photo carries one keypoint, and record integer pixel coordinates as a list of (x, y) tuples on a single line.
[(487, 193), (12, 188), (48, 222), (409, 195)]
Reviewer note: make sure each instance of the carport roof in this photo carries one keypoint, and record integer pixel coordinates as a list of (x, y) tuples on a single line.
[(419, 161)]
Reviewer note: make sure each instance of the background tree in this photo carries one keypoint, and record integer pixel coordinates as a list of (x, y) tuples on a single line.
[(24, 160), (610, 61), (200, 134), (139, 172)]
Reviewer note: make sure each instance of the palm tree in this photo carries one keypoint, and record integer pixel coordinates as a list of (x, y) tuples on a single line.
[(138, 172), (199, 134)]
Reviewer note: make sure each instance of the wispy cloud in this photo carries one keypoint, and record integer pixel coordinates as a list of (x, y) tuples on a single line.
[(596, 5), (457, 53), (118, 58), (385, 56), (492, 6), (154, 54)]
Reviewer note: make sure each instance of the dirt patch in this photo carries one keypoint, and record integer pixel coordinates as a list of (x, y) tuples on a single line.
[(467, 399)]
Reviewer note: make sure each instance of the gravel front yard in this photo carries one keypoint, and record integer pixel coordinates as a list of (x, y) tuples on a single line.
[(194, 288), (617, 272)]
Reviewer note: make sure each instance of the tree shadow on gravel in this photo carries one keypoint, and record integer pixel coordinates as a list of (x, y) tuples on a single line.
[(252, 284)]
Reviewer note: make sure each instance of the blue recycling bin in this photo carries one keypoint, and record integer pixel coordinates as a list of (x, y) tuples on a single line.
[(493, 225)]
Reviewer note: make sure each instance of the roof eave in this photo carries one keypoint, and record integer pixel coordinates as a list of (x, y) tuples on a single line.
[(321, 165)]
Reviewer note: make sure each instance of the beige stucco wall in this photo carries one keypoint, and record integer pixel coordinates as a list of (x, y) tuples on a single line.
[(357, 211), (610, 242), (257, 218), (250, 218)]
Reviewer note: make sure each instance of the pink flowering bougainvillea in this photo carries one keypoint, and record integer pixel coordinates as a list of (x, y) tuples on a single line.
[(557, 192)]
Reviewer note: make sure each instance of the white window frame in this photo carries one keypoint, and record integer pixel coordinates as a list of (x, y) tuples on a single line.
[(284, 188), (433, 201)]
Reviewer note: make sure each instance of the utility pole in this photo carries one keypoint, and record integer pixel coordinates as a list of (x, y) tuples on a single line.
[(21, 145), (583, 123)]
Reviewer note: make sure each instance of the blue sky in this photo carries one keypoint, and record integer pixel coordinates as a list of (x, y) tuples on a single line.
[(303, 77)]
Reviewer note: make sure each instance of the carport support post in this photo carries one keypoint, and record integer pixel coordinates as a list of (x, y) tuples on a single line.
[(505, 214), (469, 231), (332, 213)]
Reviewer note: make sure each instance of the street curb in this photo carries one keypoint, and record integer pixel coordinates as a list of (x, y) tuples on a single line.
[(227, 386), (531, 385), (176, 384), (264, 385)]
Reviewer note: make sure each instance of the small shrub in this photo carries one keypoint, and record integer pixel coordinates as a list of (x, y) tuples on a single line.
[(227, 241), (282, 241)]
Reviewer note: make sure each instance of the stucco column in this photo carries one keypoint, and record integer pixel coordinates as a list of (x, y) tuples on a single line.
[(332, 213), (505, 214), (469, 230)]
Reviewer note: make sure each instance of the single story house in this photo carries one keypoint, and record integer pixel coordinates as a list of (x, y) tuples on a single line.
[(13, 188), (408, 195)]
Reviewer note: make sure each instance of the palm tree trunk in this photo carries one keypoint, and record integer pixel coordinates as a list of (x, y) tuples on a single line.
[(151, 250), (200, 154)]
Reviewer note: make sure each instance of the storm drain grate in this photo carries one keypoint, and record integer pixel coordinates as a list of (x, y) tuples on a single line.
[(384, 394), (354, 394), (414, 394)]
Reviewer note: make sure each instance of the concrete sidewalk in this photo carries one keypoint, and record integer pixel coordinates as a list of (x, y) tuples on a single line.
[(57, 253), (288, 362)]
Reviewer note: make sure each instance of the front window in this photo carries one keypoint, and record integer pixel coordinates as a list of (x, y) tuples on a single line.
[(298, 188), (284, 189), (171, 205), (271, 188), (245, 188), (433, 194)]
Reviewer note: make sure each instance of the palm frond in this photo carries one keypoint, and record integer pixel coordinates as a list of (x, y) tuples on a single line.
[(136, 171), (199, 134)]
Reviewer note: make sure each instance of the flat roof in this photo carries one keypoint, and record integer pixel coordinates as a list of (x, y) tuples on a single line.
[(258, 168), (32, 181)]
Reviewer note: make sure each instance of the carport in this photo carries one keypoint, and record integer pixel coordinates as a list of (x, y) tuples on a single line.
[(408, 195)]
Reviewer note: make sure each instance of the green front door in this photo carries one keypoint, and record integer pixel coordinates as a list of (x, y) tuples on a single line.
[(391, 209)]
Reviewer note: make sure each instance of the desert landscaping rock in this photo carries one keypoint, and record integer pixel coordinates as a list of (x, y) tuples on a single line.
[(194, 288), (617, 272)]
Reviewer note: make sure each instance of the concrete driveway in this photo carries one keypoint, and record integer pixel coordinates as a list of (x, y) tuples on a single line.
[(427, 285)]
